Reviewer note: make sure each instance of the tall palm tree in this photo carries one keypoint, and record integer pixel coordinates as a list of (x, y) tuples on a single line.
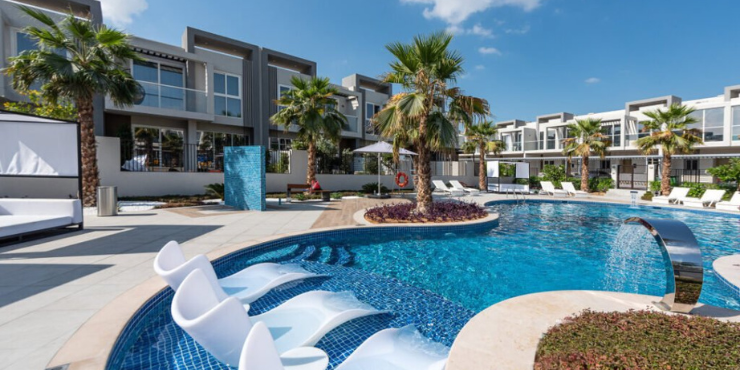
[(467, 109), (310, 106), (669, 132), (76, 60), (481, 137), (424, 68), (587, 137)]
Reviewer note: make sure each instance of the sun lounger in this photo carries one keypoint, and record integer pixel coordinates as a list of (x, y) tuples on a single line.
[(571, 190), (259, 353), (549, 189), (440, 185), (710, 197), (458, 186), (677, 195), (222, 326), (731, 205), (246, 285), (403, 348)]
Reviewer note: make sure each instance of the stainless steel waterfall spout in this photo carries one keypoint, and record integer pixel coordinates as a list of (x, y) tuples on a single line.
[(683, 263)]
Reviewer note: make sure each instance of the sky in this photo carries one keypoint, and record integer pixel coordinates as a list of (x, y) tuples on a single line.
[(526, 57)]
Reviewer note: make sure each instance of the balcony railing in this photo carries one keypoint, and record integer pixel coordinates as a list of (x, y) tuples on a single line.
[(175, 98), (351, 125), (370, 128)]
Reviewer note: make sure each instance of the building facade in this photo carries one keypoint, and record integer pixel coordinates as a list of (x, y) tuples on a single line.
[(198, 97), (540, 142)]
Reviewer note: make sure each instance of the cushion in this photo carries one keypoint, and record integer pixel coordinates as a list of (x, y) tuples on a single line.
[(15, 225)]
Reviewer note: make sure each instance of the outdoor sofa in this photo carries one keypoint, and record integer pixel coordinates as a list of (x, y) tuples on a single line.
[(23, 216)]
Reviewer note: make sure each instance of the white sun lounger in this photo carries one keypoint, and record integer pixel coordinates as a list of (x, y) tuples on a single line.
[(403, 348), (222, 326), (549, 189), (440, 185), (677, 195), (571, 190), (259, 353), (247, 285), (731, 205), (710, 197), (458, 186)]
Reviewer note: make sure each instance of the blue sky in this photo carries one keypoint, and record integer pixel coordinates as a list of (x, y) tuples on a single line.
[(527, 57)]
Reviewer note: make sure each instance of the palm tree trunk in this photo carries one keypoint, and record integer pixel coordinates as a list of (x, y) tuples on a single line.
[(665, 179), (311, 170), (424, 171), (482, 168), (90, 178), (584, 173)]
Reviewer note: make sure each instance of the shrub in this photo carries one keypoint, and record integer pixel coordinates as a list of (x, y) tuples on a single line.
[(555, 174), (300, 196), (336, 195), (654, 186), (601, 185), (648, 196), (372, 187), (215, 190), (576, 181), (438, 212), (534, 182), (639, 340)]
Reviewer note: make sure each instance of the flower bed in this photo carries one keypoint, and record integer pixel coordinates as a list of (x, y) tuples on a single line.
[(639, 340), (438, 212)]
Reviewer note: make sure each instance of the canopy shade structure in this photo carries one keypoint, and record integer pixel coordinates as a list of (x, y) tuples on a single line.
[(381, 147), (34, 146)]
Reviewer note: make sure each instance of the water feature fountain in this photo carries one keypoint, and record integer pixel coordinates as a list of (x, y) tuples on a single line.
[(633, 196)]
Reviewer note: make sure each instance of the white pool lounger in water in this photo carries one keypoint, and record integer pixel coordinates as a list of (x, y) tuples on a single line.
[(397, 349), (247, 285), (222, 326), (259, 353)]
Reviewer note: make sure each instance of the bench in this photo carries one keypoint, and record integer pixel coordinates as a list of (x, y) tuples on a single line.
[(325, 194), (23, 216)]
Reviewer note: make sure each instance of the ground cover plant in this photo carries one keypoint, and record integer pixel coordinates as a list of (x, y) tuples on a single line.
[(639, 340), (172, 201), (437, 212)]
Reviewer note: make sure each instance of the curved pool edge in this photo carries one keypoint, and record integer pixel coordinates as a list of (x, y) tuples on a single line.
[(727, 269), (93, 344), (506, 335)]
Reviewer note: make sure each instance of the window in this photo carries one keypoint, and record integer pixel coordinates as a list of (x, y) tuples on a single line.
[(550, 138), (280, 143), (227, 100), (736, 122), (613, 130), (161, 149), (282, 89), (370, 111), (211, 149), (23, 42), (542, 140), (605, 164), (714, 122), (691, 164), (163, 84), (548, 163)]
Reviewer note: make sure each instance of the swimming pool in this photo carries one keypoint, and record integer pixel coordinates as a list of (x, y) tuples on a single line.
[(438, 280)]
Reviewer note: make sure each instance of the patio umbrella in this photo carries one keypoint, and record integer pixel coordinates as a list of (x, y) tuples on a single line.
[(381, 147)]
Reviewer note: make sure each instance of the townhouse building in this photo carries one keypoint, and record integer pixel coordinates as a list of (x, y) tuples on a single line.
[(209, 92), (540, 142)]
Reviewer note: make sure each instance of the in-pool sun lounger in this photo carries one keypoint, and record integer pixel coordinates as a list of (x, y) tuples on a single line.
[(222, 326), (247, 285), (259, 353), (403, 348)]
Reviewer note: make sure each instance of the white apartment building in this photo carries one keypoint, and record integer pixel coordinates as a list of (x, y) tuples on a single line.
[(539, 142)]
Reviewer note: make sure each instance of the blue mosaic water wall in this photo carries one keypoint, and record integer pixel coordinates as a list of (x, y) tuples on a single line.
[(244, 177)]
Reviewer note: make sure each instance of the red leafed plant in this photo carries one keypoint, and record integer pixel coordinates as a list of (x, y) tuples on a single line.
[(438, 212)]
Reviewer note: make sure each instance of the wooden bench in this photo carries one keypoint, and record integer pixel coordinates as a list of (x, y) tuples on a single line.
[(325, 194)]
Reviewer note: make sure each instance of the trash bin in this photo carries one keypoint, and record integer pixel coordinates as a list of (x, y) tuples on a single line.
[(107, 201)]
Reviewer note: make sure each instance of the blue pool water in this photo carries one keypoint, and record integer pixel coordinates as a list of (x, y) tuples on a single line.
[(437, 281)]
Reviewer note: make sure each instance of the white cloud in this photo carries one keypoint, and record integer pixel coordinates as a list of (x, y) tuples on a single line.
[(489, 50), (120, 13), (455, 12), (480, 67), (592, 80), (518, 31), (477, 30)]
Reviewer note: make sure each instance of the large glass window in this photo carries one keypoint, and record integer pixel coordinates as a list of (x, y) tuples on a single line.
[(227, 95), (370, 111), (159, 149), (736, 122), (551, 138), (163, 84), (613, 130), (280, 143), (714, 122), (282, 89), (211, 149)]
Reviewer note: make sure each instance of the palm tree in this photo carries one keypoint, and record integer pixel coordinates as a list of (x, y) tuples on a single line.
[(481, 137), (669, 132), (587, 137), (424, 68), (76, 60), (310, 106), (467, 109)]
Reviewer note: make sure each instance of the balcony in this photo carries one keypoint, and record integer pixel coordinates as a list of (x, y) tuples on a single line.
[(173, 98), (370, 128), (351, 125)]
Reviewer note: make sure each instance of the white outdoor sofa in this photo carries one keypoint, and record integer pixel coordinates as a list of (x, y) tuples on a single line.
[(23, 216)]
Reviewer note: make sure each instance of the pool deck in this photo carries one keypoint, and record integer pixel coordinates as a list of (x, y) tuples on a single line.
[(50, 287)]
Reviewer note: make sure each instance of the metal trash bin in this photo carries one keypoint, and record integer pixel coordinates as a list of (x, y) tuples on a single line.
[(107, 201)]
